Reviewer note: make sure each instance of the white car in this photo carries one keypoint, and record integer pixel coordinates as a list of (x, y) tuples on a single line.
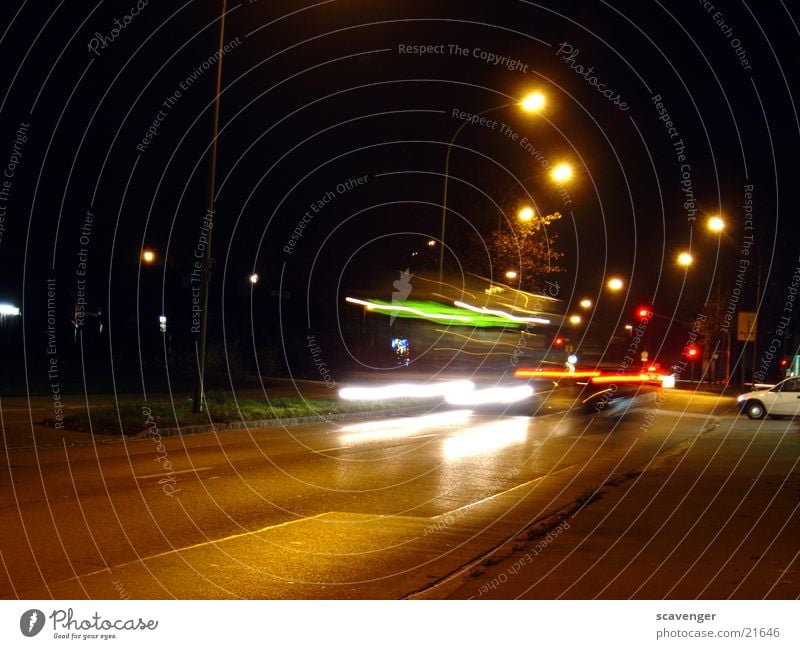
[(781, 400)]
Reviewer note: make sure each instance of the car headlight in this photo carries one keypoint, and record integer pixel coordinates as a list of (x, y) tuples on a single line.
[(740, 398)]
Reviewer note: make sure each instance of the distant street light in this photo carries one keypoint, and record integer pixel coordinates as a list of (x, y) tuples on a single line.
[(254, 278), (614, 284), (561, 173), (585, 303), (716, 224), (431, 243), (532, 102), (511, 274), (148, 256), (525, 214), (575, 319), (628, 327), (685, 259)]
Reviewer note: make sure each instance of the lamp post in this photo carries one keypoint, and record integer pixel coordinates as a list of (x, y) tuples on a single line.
[(532, 102), (197, 402)]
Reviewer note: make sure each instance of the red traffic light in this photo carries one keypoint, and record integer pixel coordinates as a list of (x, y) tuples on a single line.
[(644, 312), (558, 342), (784, 362), (692, 352)]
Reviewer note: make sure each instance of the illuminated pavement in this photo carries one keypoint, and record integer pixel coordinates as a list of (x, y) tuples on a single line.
[(382, 508)]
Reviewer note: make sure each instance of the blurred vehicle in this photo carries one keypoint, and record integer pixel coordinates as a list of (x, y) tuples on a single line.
[(781, 400)]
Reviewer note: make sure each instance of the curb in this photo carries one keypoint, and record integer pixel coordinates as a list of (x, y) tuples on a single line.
[(195, 429)]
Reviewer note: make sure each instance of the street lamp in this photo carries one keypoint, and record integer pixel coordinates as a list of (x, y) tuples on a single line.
[(148, 256), (525, 214), (532, 102), (685, 259), (575, 319), (715, 224), (254, 278), (614, 284), (585, 303), (561, 172), (511, 274)]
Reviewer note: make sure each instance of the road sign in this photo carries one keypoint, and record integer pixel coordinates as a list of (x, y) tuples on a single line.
[(746, 327)]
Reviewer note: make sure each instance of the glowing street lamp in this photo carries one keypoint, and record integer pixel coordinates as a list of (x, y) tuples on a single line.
[(254, 278), (525, 214), (585, 303), (532, 102), (148, 256), (575, 319), (511, 274), (716, 224), (431, 243), (614, 284), (685, 259), (561, 172)]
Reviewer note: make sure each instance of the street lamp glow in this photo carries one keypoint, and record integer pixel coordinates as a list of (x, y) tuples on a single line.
[(716, 224), (431, 243), (685, 259), (532, 102), (254, 278), (628, 327), (614, 284), (585, 303), (525, 214), (511, 274), (575, 319), (148, 256), (561, 172)]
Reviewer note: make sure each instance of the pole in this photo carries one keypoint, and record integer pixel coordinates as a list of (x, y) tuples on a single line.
[(446, 178), (444, 198), (212, 172), (755, 324)]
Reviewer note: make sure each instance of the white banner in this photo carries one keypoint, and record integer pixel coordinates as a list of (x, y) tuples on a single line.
[(404, 624)]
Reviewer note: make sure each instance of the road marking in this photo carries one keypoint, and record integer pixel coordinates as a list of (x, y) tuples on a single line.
[(186, 548), (169, 473)]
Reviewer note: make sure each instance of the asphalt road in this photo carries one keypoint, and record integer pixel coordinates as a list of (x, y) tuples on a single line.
[(381, 508)]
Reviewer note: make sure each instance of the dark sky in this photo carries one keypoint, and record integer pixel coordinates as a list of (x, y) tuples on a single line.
[(319, 94)]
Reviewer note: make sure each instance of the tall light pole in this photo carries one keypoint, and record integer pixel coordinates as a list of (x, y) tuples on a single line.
[(197, 404), (530, 103)]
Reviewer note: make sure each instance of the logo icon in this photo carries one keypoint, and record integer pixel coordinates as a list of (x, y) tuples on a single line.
[(31, 622), (402, 290)]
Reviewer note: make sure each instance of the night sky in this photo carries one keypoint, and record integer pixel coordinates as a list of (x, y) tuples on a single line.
[(342, 111)]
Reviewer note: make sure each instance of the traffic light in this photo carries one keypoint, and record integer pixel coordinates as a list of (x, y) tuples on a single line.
[(784, 362), (692, 352), (558, 342), (644, 312)]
